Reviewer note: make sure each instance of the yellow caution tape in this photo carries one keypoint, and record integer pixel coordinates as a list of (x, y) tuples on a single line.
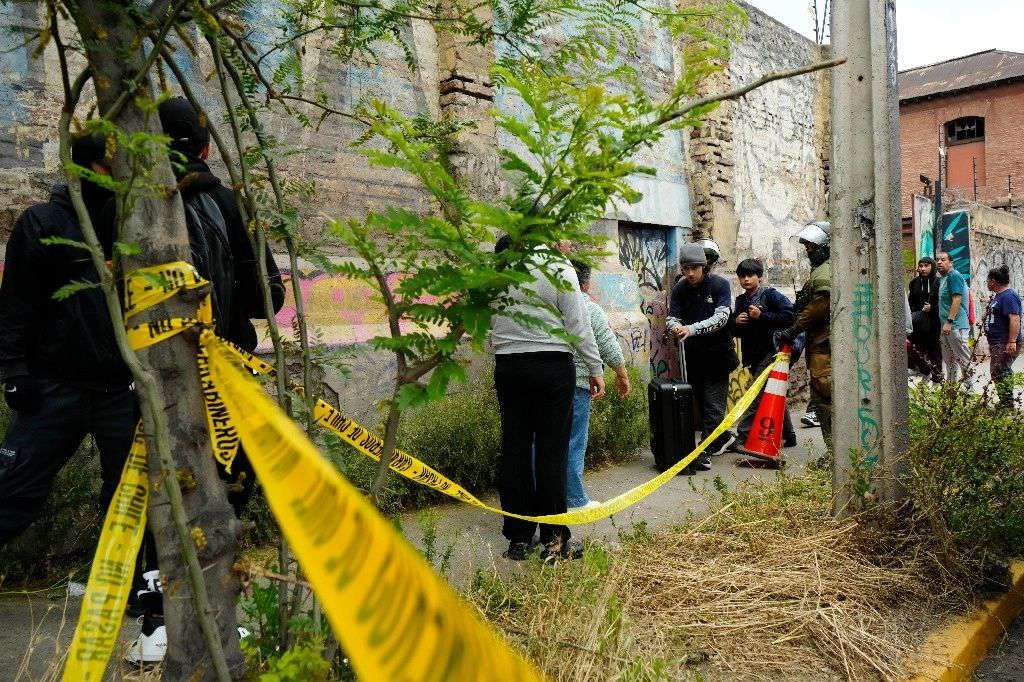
[(371, 445), (147, 287), (396, 619), (99, 623)]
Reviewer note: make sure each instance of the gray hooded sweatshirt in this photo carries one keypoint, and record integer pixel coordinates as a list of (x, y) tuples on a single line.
[(510, 336)]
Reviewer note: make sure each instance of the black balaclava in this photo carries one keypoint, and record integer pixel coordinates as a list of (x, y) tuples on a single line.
[(188, 130), (85, 151), (819, 256)]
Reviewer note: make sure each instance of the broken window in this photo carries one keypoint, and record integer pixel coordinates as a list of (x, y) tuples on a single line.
[(966, 129)]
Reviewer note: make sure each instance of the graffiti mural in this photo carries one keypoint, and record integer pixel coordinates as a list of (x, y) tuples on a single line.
[(924, 223), (644, 250), (956, 240), (339, 310)]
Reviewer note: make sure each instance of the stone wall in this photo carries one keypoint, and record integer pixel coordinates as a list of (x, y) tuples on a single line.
[(756, 170), (759, 166)]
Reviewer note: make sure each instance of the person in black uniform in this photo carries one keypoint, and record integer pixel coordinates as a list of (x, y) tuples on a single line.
[(63, 374)]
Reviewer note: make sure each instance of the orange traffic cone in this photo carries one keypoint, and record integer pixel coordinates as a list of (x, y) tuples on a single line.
[(765, 439)]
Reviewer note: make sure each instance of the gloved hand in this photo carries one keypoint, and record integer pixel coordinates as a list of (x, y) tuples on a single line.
[(782, 337), (23, 393)]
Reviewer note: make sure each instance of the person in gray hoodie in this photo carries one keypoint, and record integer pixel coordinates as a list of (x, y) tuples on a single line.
[(534, 377)]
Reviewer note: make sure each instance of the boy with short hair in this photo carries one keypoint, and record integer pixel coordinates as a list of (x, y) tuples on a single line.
[(759, 312)]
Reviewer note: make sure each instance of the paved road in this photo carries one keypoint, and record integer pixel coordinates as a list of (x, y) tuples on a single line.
[(1006, 662)]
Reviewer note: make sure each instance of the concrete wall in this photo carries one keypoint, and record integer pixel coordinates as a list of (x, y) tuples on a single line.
[(921, 124)]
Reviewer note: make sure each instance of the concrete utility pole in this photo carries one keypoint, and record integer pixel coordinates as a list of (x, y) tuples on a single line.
[(869, 360)]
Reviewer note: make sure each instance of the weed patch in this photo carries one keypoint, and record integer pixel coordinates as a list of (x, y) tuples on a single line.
[(768, 587)]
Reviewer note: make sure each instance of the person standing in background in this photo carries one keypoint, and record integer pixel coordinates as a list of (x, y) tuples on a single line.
[(1003, 331), (611, 354), (953, 295), (923, 298), (759, 312)]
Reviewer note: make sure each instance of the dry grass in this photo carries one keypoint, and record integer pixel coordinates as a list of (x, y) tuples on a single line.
[(769, 587)]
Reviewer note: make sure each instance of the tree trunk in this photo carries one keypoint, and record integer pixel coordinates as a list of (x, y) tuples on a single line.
[(157, 226)]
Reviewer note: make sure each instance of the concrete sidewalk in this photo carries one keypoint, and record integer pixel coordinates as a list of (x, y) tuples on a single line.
[(37, 628), (475, 535)]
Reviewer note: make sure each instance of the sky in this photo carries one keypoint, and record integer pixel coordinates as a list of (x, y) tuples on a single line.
[(929, 31)]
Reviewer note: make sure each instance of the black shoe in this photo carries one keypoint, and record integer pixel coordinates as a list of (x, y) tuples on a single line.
[(517, 551), (789, 441), (700, 464), (722, 444), (561, 550), (133, 609)]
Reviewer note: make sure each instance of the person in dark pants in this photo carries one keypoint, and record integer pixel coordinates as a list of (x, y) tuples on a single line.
[(698, 316), (1003, 331), (223, 255), (759, 312), (535, 377), (813, 320), (63, 374), (923, 298), (228, 259)]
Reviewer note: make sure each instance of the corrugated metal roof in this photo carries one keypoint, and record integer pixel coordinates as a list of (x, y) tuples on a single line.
[(963, 73)]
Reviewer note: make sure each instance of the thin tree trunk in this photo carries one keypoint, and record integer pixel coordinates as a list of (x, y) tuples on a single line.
[(157, 226), (390, 441)]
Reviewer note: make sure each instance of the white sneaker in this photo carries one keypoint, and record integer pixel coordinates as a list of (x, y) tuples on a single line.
[(589, 505), (152, 648), (149, 647)]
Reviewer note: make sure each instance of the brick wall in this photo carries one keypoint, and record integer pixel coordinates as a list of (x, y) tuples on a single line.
[(1003, 110)]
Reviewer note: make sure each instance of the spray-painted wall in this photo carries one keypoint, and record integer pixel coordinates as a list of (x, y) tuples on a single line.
[(997, 238), (760, 165)]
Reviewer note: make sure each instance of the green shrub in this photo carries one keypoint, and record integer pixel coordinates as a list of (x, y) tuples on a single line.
[(618, 426), (460, 436), (966, 469)]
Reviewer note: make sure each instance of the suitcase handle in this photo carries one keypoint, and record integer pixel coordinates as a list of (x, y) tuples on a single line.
[(682, 361)]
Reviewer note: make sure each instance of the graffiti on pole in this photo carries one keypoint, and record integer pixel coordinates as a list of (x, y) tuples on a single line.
[(863, 315)]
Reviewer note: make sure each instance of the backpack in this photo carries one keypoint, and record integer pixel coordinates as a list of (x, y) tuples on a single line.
[(211, 253)]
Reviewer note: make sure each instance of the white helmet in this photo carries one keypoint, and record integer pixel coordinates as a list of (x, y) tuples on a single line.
[(819, 233), (711, 250)]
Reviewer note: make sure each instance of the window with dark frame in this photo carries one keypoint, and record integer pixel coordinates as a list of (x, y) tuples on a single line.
[(965, 130)]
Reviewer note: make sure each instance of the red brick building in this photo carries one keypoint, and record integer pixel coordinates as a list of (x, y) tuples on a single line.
[(973, 107)]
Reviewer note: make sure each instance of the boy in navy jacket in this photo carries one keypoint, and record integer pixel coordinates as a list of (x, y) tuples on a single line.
[(758, 313)]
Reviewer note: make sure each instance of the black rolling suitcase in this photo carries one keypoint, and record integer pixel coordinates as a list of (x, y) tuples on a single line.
[(670, 405)]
